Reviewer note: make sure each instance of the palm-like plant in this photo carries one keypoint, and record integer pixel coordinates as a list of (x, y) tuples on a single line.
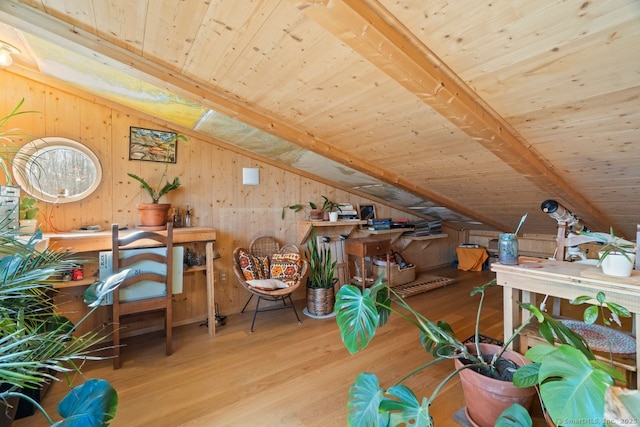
[(157, 193), (35, 343)]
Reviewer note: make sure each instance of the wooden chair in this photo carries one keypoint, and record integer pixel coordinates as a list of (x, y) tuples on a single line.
[(148, 240), (266, 247)]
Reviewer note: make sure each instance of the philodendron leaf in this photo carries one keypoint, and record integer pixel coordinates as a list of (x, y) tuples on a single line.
[(527, 375), (514, 416), (405, 408), (92, 404), (570, 387), (356, 316), (365, 396)]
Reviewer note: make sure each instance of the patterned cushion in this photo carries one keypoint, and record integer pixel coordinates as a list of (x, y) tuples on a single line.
[(253, 267), (286, 267), (268, 284)]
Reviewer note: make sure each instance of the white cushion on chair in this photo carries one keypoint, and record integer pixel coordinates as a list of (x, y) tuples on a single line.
[(268, 284)]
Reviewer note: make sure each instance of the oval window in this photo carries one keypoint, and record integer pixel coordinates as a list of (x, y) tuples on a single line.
[(57, 170)]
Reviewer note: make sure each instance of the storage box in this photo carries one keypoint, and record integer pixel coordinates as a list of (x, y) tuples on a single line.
[(398, 277)]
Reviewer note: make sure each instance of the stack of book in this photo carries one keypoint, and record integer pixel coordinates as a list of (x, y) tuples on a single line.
[(347, 212), (425, 228), (379, 224)]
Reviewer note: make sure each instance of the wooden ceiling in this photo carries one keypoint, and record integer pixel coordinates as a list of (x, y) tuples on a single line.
[(485, 108)]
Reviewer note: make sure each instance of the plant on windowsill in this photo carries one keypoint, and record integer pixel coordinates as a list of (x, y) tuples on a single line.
[(360, 313), (28, 212), (154, 215)]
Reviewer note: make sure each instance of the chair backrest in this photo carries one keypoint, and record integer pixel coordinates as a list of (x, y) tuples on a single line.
[(144, 249), (146, 239), (264, 246)]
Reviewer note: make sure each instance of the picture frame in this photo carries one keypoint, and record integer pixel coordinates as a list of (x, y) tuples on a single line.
[(153, 145), (367, 212)]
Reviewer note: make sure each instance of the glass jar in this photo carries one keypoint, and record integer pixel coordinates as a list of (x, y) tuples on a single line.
[(508, 249)]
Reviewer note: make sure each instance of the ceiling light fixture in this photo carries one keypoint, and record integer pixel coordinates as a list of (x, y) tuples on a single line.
[(6, 49)]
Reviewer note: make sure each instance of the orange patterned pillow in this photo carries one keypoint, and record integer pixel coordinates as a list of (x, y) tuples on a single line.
[(253, 267), (286, 267)]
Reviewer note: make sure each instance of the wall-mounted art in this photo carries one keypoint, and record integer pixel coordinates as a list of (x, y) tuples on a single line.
[(367, 211), (152, 145)]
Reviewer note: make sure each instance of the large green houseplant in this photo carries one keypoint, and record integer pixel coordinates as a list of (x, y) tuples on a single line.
[(35, 342), (360, 313), (321, 282), (574, 387)]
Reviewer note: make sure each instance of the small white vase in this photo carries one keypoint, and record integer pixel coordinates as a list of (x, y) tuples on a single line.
[(333, 216), (28, 226), (616, 264)]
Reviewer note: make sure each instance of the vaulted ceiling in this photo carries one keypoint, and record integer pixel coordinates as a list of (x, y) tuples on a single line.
[(473, 112)]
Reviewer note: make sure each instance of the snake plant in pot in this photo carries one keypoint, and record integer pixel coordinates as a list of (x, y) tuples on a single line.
[(322, 280), (360, 313)]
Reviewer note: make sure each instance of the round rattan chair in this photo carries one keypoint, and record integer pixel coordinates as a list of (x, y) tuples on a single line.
[(261, 247)]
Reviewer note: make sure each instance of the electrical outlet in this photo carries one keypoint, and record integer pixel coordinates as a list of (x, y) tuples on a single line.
[(223, 276)]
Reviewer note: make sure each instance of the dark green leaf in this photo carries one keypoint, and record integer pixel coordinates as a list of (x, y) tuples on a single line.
[(527, 375), (356, 316), (591, 314), (600, 297), (618, 309)]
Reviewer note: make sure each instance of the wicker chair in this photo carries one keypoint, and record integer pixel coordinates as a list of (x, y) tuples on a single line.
[(266, 247)]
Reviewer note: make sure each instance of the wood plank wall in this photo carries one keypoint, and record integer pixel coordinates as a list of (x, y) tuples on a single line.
[(212, 186)]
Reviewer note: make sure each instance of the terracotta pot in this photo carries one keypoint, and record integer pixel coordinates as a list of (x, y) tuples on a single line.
[(153, 214), (486, 397), (316, 215)]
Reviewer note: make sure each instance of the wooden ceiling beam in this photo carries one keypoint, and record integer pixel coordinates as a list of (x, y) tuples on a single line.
[(41, 25), (368, 28)]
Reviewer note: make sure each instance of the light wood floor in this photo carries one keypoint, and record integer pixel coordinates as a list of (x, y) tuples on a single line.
[(282, 374)]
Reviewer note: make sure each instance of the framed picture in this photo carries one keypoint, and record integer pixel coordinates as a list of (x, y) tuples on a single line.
[(367, 211), (152, 145)]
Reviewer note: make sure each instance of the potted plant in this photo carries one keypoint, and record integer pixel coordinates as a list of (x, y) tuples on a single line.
[(35, 343), (617, 255), (360, 313), (321, 282), (28, 212), (331, 209), (571, 383), (315, 214), (154, 214)]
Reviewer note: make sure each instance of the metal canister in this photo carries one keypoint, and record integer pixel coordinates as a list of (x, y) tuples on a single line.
[(508, 249)]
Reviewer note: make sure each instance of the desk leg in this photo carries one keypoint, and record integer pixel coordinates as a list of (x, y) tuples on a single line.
[(636, 328), (211, 279), (510, 315)]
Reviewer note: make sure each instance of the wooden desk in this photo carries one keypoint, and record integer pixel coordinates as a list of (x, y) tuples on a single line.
[(367, 247), (101, 241), (563, 280)]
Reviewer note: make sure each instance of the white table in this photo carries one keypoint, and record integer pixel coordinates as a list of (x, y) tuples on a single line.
[(563, 280)]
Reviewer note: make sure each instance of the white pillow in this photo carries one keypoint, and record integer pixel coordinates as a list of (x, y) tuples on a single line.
[(268, 284)]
